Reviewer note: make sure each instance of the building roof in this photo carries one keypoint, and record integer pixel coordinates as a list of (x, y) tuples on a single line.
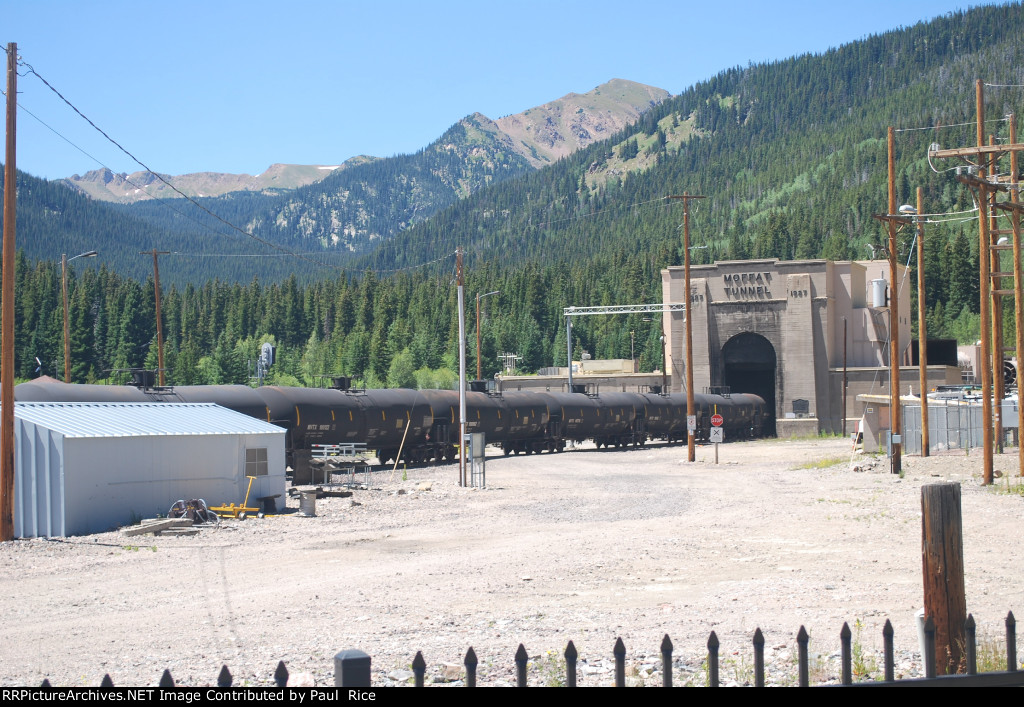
[(83, 420)]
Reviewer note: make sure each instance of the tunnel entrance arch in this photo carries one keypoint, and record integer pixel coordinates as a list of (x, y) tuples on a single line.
[(749, 364)]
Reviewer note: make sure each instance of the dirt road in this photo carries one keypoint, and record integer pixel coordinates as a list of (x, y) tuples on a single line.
[(585, 545)]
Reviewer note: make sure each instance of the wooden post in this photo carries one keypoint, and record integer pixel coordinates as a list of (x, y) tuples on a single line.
[(846, 382), (996, 265), (942, 560), (691, 450), (922, 327), (895, 409), (462, 366), (984, 251), (7, 307), (1018, 292)]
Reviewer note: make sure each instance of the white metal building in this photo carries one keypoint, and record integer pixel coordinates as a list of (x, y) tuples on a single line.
[(89, 467)]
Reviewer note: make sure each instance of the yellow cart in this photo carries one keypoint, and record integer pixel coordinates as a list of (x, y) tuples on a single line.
[(240, 512)]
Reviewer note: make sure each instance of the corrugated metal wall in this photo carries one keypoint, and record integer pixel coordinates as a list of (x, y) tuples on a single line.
[(66, 485)]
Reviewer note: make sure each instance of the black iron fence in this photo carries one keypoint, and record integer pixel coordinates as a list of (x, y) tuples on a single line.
[(352, 667)]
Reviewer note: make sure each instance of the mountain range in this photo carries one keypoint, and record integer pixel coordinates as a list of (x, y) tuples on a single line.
[(790, 155), (541, 135), (352, 210), (105, 185)]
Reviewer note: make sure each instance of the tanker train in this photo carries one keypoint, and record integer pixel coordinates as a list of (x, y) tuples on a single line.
[(421, 426)]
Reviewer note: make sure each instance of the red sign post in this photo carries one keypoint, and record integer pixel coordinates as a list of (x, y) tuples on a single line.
[(717, 420)]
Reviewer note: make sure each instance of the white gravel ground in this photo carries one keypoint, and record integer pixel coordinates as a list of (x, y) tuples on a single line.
[(585, 545)]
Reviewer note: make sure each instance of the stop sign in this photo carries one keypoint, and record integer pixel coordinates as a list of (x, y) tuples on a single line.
[(717, 420)]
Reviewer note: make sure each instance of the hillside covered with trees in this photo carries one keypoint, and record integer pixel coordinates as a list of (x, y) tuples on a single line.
[(791, 156)]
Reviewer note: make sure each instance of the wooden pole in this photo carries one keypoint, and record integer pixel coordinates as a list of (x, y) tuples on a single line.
[(1018, 291), (462, 366), (7, 307), (942, 568), (691, 409), (995, 265), (922, 327), (691, 448), (895, 411), (984, 249), (845, 380)]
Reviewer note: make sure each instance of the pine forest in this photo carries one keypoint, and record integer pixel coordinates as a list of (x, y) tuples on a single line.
[(791, 156)]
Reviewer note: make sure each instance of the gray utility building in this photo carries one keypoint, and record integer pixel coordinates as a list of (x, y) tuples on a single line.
[(89, 467), (775, 328)]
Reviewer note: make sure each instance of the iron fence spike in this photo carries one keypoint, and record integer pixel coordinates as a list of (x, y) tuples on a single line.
[(281, 674)]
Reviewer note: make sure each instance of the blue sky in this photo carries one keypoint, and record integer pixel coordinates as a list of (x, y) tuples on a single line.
[(228, 86)]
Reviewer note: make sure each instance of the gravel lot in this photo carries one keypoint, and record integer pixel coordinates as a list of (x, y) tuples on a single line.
[(586, 545)]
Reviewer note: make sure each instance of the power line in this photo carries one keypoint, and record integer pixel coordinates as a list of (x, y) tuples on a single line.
[(164, 202), (118, 145), (947, 125), (282, 250)]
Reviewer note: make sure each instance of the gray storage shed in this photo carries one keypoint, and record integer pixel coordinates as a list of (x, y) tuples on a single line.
[(89, 467)]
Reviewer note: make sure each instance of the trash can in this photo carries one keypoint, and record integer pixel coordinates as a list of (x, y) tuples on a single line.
[(307, 504)]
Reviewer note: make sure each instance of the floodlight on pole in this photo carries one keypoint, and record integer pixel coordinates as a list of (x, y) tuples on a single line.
[(478, 298), (64, 260)]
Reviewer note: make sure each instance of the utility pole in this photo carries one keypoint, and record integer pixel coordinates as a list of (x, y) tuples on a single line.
[(846, 383), (895, 412), (1014, 208), (7, 308), (985, 157), (984, 251), (995, 265), (691, 449), (1018, 286), (891, 219), (159, 318), (462, 367), (922, 329)]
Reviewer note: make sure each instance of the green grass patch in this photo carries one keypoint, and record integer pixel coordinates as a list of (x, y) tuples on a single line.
[(1009, 485), (823, 463)]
